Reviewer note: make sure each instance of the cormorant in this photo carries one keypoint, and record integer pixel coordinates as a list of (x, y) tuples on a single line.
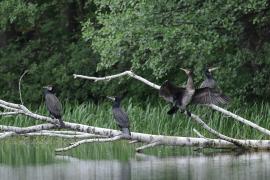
[(119, 115), (53, 104), (182, 97), (209, 81)]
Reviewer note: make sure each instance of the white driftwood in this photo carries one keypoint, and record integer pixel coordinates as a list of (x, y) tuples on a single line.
[(8, 113), (144, 138), (7, 134), (155, 86), (65, 132), (21, 130), (68, 136)]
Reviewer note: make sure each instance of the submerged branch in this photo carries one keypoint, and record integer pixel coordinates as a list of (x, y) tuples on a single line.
[(88, 141), (150, 145)]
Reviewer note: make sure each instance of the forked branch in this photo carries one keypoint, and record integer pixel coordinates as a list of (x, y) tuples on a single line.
[(155, 86)]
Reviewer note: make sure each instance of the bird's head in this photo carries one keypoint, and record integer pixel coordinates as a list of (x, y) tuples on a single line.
[(49, 88), (187, 71), (208, 71), (115, 98)]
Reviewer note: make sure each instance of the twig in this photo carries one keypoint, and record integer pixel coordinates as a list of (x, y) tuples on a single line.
[(20, 86), (133, 142), (198, 133), (150, 145), (87, 141)]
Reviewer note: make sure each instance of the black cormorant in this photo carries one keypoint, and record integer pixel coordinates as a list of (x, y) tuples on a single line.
[(181, 97), (209, 81), (53, 104), (119, 115)]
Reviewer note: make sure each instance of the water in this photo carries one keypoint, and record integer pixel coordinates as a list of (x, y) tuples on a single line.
[(34, 159)]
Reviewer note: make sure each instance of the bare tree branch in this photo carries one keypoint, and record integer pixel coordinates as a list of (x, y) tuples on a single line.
[(9, 113), (129, 73), (240, 119), (150, 145), (21, 130), (198, 133), (155, 86), (20, 86), (68, 136), (88, 141), (144, 138), (7, 134)]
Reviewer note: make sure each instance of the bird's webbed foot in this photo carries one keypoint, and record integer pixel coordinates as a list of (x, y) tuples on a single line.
[(188, 113), (61, 124)]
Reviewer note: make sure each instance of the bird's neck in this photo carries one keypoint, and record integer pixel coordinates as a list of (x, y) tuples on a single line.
[(190, 84), (116, 104), (46, 91), (209, 76)]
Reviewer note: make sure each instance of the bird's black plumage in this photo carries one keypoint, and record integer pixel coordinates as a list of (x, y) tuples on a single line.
[(209, 81), (53, 104), (182, 97), (120, 116)]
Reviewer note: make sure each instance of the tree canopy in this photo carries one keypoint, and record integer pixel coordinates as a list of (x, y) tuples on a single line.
[(154, 38)]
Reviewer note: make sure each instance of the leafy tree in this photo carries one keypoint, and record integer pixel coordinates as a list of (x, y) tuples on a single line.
[(156, 37), (44, 37)]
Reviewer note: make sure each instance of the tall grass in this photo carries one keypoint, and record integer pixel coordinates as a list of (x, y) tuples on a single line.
[(153, 118)]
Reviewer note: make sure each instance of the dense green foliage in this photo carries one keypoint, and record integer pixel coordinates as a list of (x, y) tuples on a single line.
[(55, 38), (156, 37), (44, 38)]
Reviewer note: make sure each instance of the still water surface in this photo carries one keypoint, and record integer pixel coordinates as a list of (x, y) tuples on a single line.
[(34, 159)]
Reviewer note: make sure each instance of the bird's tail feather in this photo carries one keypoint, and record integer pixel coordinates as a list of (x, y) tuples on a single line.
[(126, 131)]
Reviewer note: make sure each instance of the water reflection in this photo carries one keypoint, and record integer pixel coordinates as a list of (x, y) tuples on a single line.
[(102, 162)]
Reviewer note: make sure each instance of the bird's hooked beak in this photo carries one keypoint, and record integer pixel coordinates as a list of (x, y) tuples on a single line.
[(111, 98), (47, 87), (212, 69), (185, 70)]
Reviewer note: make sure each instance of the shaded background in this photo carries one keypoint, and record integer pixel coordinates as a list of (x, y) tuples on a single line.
[(55, 38)]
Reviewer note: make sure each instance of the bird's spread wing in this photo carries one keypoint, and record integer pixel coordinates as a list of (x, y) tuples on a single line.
[(121, 117), (170, 92), (53, 105), (209, 96)]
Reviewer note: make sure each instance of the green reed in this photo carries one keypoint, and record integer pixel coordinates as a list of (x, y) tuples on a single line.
[(152, 118)]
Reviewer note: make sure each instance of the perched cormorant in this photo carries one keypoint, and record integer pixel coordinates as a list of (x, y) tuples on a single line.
[(53, 104), (119, 115), (209, 81), (181, 97)]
